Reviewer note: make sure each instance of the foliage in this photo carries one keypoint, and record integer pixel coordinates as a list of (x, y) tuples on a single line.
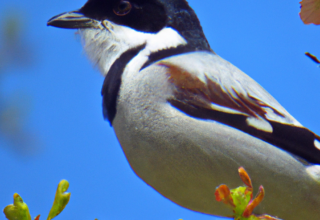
[(19, 210), (312, 57), (16, 53), (241, 200), (61, 199), (310, 11), (310, 14)]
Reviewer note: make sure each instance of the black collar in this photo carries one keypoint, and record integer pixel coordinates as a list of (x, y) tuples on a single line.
[(112, 81)]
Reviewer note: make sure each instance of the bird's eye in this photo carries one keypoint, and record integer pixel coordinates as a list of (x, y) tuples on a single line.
[(123, 8)]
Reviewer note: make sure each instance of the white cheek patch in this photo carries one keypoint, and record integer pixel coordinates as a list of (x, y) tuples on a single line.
[(106, 44)]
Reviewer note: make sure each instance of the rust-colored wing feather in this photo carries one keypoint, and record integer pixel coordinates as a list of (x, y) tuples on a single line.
[(209, 93), (219, 91)]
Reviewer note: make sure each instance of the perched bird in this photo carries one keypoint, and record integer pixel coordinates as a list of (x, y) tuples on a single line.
[(187, 119)]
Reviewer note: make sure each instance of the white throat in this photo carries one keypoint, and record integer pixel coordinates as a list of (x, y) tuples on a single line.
[(105, 45)]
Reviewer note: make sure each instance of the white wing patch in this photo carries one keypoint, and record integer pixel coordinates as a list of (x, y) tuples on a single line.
[(314, 172), (317, 144), (259, 124)]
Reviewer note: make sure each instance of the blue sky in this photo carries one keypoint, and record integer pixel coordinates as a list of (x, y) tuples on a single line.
[(265, 39)]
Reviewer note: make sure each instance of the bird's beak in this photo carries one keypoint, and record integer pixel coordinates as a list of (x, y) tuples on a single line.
[(72, 20)]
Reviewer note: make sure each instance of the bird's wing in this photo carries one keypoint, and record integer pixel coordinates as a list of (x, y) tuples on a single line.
[(208, 87)]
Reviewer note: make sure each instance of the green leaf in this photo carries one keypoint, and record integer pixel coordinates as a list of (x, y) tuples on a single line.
[(18, 210), (61, 199), (240, 199)]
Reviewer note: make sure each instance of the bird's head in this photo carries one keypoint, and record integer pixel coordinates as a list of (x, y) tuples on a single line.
[(111, 27)]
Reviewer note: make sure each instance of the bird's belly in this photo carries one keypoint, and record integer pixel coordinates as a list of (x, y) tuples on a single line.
[(185, 159)]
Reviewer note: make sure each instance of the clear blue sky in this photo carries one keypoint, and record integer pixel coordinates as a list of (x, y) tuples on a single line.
[(265, 39)]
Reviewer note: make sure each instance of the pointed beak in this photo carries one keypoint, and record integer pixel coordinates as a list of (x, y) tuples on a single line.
[(72, 20)]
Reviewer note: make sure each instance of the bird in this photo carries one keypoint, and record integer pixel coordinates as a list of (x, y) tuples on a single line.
[(187, 119)]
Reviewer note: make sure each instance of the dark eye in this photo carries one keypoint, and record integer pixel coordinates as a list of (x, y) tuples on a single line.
[(123, 8)]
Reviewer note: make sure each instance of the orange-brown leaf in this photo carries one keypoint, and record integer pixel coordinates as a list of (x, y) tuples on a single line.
[(310, 11), (254, 203), (245, 177), (223, 194), (312, 57)]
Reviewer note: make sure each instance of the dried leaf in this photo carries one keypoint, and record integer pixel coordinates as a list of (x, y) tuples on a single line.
[(312, 57), (18, 210), (61, 199), (310, 11)]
